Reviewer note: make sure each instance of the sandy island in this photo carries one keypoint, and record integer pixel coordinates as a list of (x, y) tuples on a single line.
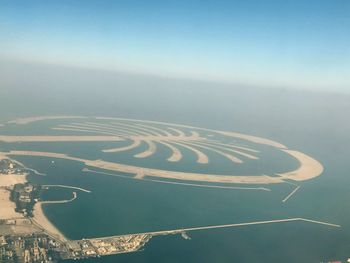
[(251, 138), (308, 169), (41, 118)]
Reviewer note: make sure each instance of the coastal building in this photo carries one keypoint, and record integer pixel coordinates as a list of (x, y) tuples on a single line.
[(2, 241)]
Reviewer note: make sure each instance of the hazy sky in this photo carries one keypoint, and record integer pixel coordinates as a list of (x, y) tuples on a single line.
[(289, 43)]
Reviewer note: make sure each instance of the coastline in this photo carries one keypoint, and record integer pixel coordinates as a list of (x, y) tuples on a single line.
[(7, 208), (308, 167), (40, 219)]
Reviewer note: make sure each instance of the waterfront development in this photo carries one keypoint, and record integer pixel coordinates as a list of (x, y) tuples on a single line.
[(174, 131), (27, 220)]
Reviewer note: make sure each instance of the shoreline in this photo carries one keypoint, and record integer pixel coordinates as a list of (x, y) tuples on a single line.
[(7, 208), (42, 221)]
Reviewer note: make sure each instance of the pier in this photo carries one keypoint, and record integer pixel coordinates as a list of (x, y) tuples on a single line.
[(134, 242)]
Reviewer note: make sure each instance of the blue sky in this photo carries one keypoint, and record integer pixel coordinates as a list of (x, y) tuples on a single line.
[(268, 43)]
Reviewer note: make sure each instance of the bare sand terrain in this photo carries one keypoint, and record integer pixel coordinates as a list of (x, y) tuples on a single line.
[(201, 157), (41, 220), (149, 135), (80, 138), (309, 168), (45, 138), (151, 149), (7, 208), (254, 139), (7, 180), (86, 130), (41, 118), (251, 138), (176, 154), (226, 148), (210, 148), (135, 144), (233, 134)]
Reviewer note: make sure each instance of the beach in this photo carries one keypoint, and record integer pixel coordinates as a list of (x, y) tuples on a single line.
[(41, 221), (7, 208)]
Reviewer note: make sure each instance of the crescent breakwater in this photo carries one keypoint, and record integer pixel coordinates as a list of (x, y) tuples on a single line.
[(103, 246), (309, 168), (172, 137), (144, 140)]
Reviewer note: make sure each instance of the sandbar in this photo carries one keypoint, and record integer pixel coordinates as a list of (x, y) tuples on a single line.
[(60, 138), (150, 150), (263, 179), (41, 118), (309, 168)]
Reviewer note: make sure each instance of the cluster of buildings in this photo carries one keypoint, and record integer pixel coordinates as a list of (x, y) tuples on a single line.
[(6, 254), (33, 244), (28, 249), (108, 245), (24, 192), (9, 167), (44, 249), (25, 196)]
